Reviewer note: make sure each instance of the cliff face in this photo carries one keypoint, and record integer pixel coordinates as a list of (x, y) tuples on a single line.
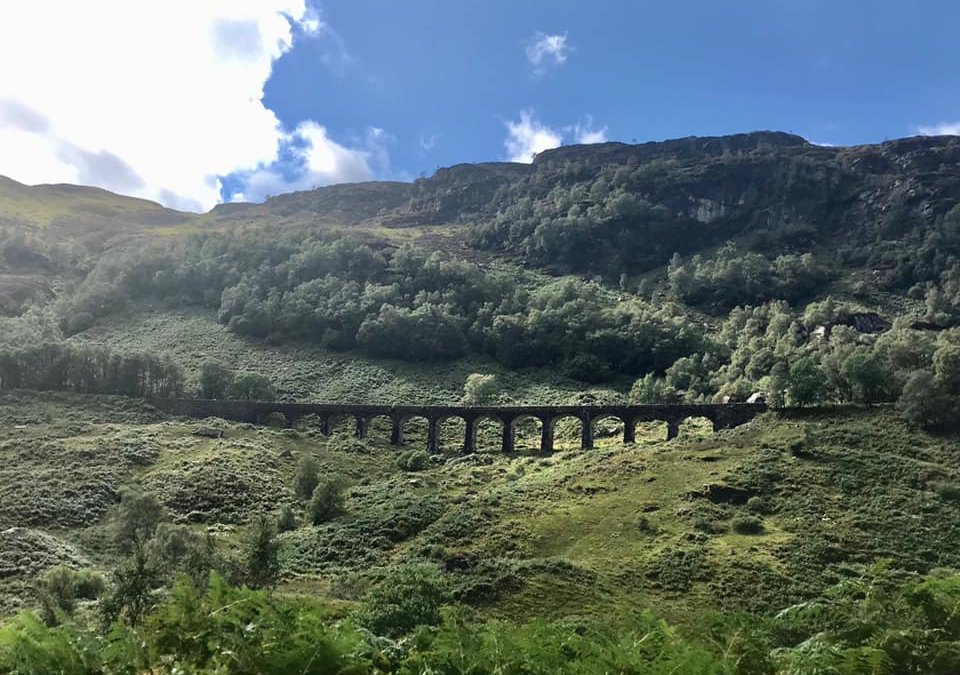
[(736, 183)]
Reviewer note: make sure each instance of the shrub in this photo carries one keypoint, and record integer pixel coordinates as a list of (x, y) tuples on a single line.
[(327, 500), (413, 460), (479, 388), (252, 387), (709, 525), (947, 490), (236, 630), (60, 588), (286, 519), (407, 597), (135, 519), (261, 554), (747, 525), (757, 504), (215, 380), (306, 478)]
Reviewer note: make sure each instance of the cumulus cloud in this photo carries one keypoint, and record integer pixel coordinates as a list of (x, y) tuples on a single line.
[(527, 137), (309, 158), (945, 129), (157, 100), (547, 51)]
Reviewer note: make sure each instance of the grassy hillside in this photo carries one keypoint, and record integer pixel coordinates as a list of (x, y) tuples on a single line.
[(753, 519), (308, 373)]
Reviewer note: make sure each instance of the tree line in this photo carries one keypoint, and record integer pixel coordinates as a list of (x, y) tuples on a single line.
[(34, 356), (341, 293)]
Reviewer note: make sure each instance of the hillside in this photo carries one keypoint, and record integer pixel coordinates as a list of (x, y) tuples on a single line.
[(750, 520)]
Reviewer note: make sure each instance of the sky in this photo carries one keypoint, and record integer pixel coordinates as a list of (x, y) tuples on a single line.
[(192, 103)]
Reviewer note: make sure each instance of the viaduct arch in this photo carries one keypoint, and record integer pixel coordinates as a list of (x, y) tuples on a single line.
[(723, 416)]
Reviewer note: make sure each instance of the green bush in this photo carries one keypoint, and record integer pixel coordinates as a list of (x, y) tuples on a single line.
[(327, 500), (61, 587), (413, 460), (756, 504), (747, 525), (252, 387), (231, 630), (307, 476), (261, 554), (407, 597), (286, 519), (647, 647)]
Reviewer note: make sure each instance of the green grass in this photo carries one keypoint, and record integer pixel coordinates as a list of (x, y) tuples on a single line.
[(303, 372), (582, 533)]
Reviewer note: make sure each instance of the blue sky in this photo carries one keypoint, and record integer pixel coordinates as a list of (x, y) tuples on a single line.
[(441, 77), (195, 103)]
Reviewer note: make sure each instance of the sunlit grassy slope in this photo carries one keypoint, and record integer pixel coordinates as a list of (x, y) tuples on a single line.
[(600, 532), (308, 373), (66, 205)]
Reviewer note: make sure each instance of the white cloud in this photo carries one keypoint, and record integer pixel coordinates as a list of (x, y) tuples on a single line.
[(545, 51), (428, 142), (584, 132), (945, 129), (157, 100), (527, 137), (312, 159)]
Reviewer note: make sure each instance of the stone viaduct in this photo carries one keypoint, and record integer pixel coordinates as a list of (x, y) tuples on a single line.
[(723, 416)]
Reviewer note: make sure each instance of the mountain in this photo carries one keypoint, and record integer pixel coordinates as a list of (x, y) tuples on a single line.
[(818, 537)]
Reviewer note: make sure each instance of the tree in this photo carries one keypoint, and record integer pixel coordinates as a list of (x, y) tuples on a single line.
[(327, 500), (946, 367), (866, 377), (215, 379), (924, 402), (777, 384), (135, 519), (479, 388), (261, 554), (252, 387), (306, 477), (652, 389), (806, 382)]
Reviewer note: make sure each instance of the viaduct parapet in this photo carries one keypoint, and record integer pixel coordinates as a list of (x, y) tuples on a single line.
[(723, 416)]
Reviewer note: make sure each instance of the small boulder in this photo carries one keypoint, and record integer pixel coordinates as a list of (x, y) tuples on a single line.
[(209, 432)]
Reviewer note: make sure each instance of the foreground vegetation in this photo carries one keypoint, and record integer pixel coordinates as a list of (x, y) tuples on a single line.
[(867, 626)]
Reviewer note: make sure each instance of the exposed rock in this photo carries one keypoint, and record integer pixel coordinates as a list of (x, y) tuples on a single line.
[(721, 493), (865, 322), (926, 325), (209, 432)]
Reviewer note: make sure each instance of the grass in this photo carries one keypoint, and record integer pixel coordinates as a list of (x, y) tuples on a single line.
[(304, 372), (581, 533)]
